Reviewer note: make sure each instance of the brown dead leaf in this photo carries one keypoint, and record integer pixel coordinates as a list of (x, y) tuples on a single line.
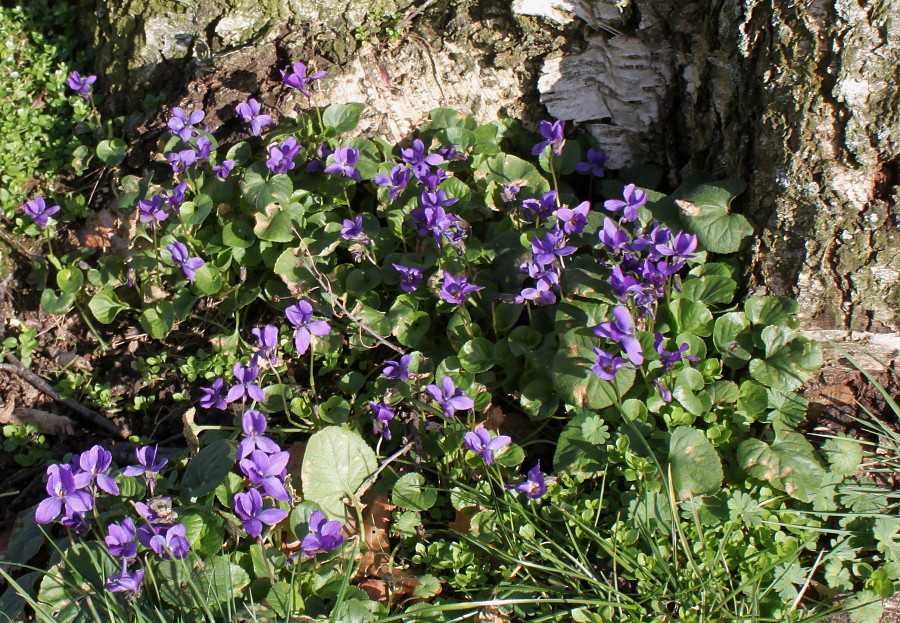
[(688, 208), (376, 590), (296, 451), (187, 420), (376, 520), (462, 523), (492, 614)]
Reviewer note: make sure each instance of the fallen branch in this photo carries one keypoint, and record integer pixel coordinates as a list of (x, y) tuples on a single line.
[(88, 416)]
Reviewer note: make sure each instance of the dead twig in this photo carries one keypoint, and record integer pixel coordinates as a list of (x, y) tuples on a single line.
[(88, 416), (368, 482)]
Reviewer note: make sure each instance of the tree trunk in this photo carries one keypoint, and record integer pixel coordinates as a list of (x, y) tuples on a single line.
[(798, 97)]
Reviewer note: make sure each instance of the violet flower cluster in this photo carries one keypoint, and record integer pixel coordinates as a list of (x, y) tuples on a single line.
[(73, 491), (264, 465)]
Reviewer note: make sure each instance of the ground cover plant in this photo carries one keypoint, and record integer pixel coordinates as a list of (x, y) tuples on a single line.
[(472, 375)]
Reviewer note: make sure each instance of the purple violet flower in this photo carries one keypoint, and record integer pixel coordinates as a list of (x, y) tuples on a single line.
[(574, 219), (180, 123), (554, 137), (541, 207), (534, 486), (454, 290), (323, 536), (94, 464), (176, 198), (410, 277), (612, 237), (249, 507), (147, 466), (151, 211), (298, 79), (431, 180), (223, 170), (171, 543), (633, 197), (81, 85), (76, 523), (120, 539), (64, 494), (397, 181), (300, 315), (188, 265), (541, 294), (203, 147), (621, 329), (267, 471), (125, 581), (245, 387), (480, 442), (181, 160), (509, 192), (398, 371), (449, 397), (249, 111), (345, 159), (254, 425), (383, 414), (596, 160), (669, 358), (212, 397), (606, 365), (416, 157), (353, 230), (281, 157), (548, 248), (37, 209), (268, 343)]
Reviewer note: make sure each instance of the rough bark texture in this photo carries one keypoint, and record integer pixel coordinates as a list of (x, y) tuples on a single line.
[(799, 97)]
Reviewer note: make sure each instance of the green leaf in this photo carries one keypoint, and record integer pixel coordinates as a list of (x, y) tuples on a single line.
[(505, 169), (580, 447), (238, 235), (112, 152), (335, 410), (195, 212), (240, 153), (843, 453), (477, 355), (572, 376), (158, 320), (790, 359), (335, 464), (864, 607), (786, 407), (770, 310), (696, 467), (55, 304), (209, 468), (705, 212), (261, 192), (691, 317), (105, 305), (342, 118), (70, 279), (732, 338), (709, 289), (411, 493), (208, 279), (428, 586), (789, 464)]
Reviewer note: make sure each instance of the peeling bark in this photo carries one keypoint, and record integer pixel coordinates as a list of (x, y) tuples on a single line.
[(797, 97)]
